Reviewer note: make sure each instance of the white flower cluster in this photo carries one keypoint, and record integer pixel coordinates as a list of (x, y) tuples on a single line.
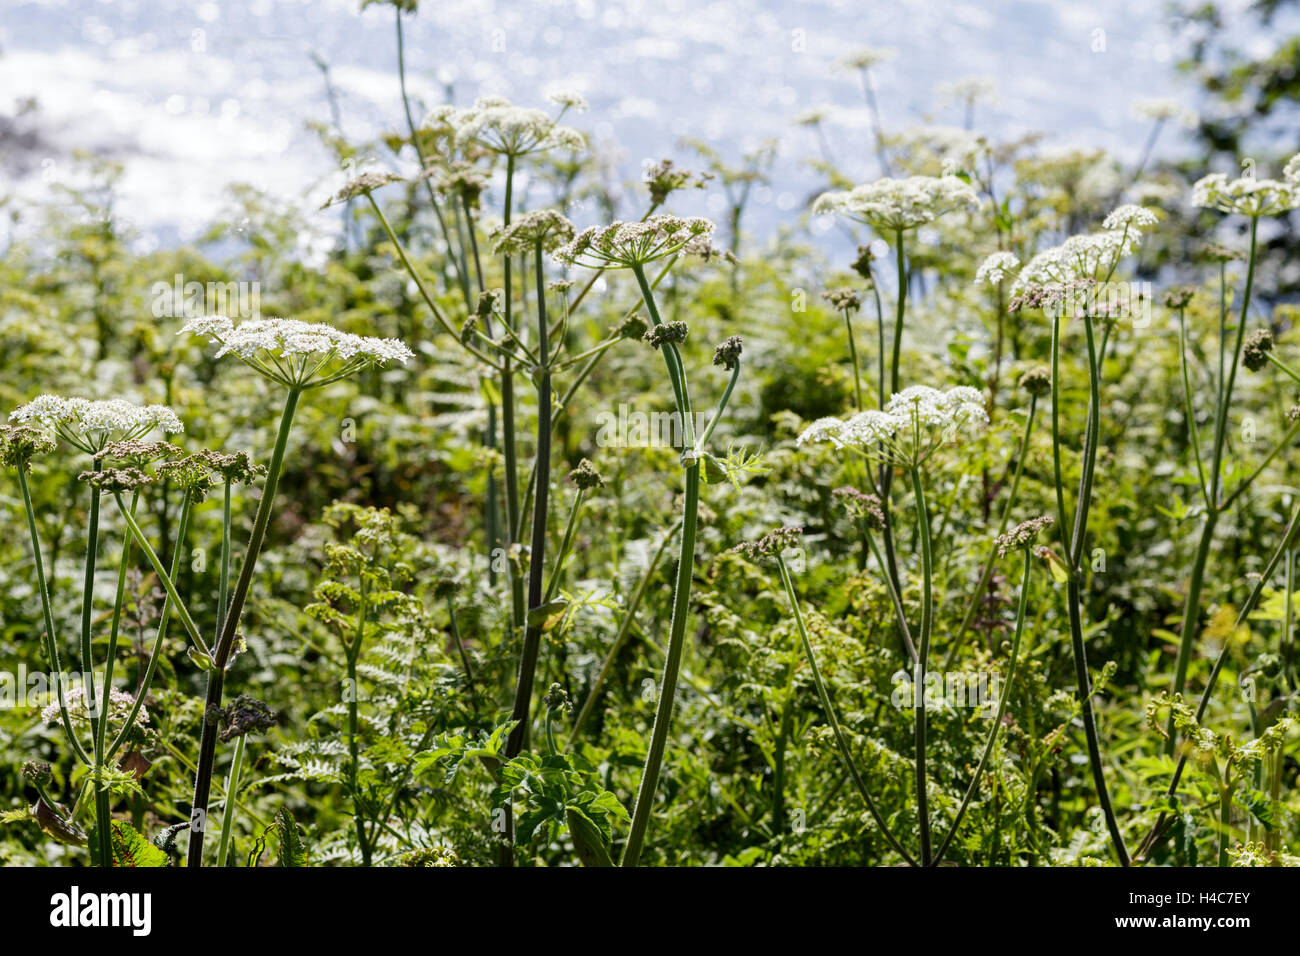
[(1129, 216), (91, 425), (497, 124), (913, 424), (865, 58), (1091, 256), (627, 244), (546, 226), (1163, 109), (897, 204), (569, 100), (119, 706), (314, 353), (969, 90), (1248, 195), (995, 268), (1291, 171)]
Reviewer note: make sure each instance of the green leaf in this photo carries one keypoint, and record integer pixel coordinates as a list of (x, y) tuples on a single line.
[(292, 852), (588, 841), (130, 848), (201, 660), (546, 616)]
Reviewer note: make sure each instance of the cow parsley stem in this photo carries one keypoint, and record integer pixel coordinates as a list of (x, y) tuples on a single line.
[(226, 642)]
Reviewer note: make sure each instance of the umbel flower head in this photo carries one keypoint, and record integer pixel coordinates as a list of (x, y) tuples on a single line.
[(1022, 535), (362, 185), (1248, 195), (586, 477), (995, 268), (137, 452), (727, 352), (666, 332), (297, 354), (1037, 381), (116, 480), (844, 299), (545, 226), (629, 244), (1090, 257), (196, 474), (461, 180), (1254, 354), (569, 100), (773, 543), (865, 58), (914, 423), (119, 706), (894, 205), (1162, 110), (865, 509), (91, 425), (19, 444), (496, 124)]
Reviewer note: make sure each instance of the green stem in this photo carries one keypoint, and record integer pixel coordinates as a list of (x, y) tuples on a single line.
[(51, 640), (897, 600), (900, 313), (554, 581), (853, 355), (922, 658), (165, 579), (778, 768), (223, 590), (1192, 606), (144, 681), (226, 644), (1074, 588), (97, 715), (681, 596), (1002, 708), (672, 663), (103, 809), (1188, 410), (228, 813), (703, 441), (537, 549)]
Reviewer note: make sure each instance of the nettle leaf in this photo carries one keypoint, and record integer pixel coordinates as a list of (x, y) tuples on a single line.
[(129, 847)]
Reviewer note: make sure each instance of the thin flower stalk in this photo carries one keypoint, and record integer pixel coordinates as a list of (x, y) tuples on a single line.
[(828, 708), (1214, 499), (225, 644), (1072, 542), (1021, 610)]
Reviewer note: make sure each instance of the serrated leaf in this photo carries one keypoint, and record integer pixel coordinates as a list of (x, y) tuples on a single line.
[(129, 848)]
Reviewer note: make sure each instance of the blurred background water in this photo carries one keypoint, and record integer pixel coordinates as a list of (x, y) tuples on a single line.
[(193, 95)]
